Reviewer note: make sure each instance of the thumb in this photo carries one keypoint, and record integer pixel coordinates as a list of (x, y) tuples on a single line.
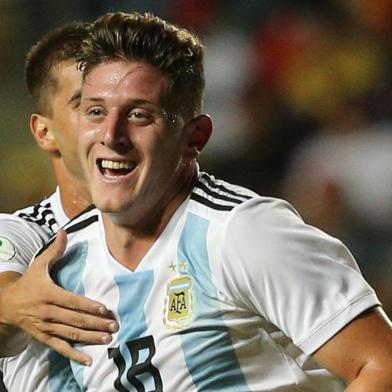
[(54, 252)]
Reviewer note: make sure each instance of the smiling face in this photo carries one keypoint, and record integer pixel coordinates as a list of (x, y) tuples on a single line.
[(137, 157)]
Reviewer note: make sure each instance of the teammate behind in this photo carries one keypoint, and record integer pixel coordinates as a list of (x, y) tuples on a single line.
[(216, 288), (32, 303)]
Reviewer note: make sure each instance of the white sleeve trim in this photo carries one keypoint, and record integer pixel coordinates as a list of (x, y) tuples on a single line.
[(11, 267), (338, 321)]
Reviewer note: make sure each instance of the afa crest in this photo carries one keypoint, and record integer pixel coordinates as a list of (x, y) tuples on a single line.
[(179, 303)]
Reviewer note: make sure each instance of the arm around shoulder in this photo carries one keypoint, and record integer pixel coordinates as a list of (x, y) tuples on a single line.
[(19, 240)]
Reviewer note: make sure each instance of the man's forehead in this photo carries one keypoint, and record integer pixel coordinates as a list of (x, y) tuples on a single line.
[(118, 72), (122, 78)]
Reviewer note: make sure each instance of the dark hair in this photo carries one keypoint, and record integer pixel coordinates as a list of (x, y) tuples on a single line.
[(57, 46), (147, 38)]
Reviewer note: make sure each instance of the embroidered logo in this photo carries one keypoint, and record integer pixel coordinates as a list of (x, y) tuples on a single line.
[(179, 303), (7, 249)]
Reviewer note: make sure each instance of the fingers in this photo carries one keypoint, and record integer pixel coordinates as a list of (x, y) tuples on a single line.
[(79, 320), (76, 334), (72, 301), (64, 348), (53, 315), (51, 292)]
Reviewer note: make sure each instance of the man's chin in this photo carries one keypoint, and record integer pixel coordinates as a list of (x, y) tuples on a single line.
[(113, 207), (109, 209)]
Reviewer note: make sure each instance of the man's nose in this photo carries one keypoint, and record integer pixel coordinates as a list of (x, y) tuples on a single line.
[(116, 132)]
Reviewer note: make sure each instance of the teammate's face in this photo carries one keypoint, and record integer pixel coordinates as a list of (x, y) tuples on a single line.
[(133, 152), (64, 119)]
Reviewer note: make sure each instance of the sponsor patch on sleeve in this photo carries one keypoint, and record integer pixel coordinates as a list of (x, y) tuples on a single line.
[(7, 249)]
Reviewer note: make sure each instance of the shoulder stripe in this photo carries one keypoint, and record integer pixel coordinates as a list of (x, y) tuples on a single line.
[(42, 220), (212, 184), (87, 209), (41, 214), (36, 211), (217, 195), (71, 229), (82, 224), (209, 203)]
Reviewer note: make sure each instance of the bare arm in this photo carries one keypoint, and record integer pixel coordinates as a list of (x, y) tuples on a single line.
[(361, 353), (34, 304), (12, 339)]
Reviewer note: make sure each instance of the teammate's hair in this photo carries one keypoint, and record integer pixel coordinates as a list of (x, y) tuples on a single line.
[(146, 38), (57, 46)]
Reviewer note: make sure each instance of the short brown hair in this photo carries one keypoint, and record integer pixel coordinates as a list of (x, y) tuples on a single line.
[(57, 46), (147, 38)]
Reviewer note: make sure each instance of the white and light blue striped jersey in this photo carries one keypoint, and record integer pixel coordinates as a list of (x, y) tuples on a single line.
[(235, 295), (22, 235), (25, 231)]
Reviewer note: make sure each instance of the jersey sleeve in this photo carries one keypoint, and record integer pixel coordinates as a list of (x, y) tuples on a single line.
[(299, 278), (19, 241)]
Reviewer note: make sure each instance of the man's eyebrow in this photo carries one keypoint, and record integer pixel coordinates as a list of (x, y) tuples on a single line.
[(131, 101), (76, 97), (143, 102), (93, 99)]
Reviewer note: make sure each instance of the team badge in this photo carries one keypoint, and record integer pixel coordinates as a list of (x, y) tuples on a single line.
[(179, 303), (7, 249)]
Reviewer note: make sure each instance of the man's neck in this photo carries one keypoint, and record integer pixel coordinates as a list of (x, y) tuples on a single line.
[(130, 243), (73, 199), (73, 193)]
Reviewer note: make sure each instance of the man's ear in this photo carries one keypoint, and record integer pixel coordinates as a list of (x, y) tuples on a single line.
[(200, 129), (41, 129)]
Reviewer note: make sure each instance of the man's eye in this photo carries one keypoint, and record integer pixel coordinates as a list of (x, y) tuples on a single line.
[(95, 112), (141, 117), (137, 115)]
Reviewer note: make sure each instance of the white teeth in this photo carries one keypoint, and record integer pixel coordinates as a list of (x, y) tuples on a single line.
[(106, 164)]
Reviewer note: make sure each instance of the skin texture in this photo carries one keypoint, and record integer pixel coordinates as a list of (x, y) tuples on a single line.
[(123, 118), (50, 314)]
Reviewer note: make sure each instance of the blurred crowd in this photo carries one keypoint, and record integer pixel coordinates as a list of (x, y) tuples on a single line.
[(300, 93)]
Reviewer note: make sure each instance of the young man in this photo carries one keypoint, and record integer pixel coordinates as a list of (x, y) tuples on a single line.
[(215, 287), (33, 302)]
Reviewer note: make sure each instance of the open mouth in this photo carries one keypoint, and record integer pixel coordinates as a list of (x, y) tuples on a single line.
[(111, 169)]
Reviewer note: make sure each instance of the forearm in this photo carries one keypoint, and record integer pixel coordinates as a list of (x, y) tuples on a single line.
[(12, 339), (371, 379), (361, 353)]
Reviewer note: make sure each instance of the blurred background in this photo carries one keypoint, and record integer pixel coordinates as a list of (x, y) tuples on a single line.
[(300, 92)]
